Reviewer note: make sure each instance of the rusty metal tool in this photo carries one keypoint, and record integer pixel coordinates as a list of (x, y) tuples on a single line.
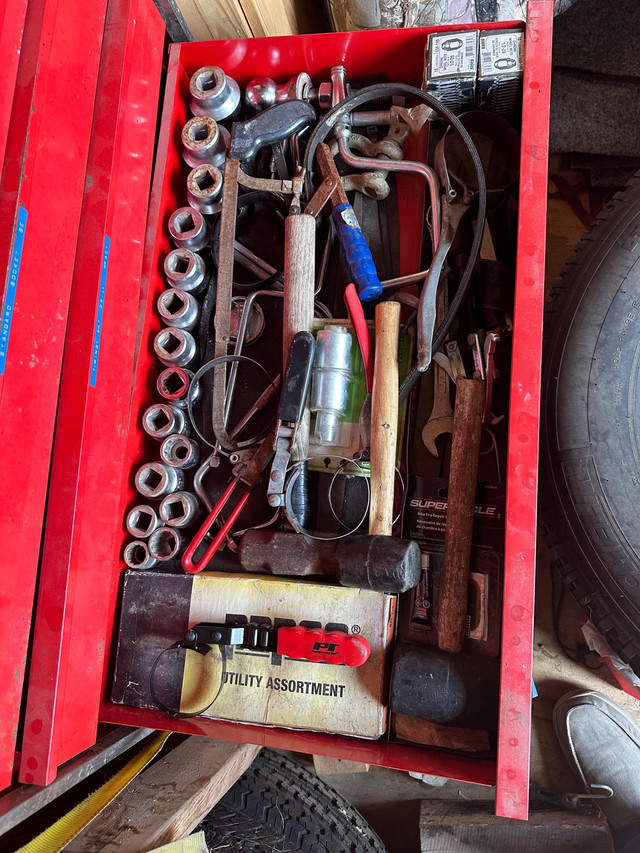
[(290, 412), (461, 498), (384, 418), (441, 418), (381, 563), (355, 250), (277, 123)]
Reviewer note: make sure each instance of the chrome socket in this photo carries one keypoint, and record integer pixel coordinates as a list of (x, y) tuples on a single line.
[(263, 92), (179, 510), (204, 188), (178, 308), (179, 452), (213, 93), (204, 141), (173, 386), (189, 229), (164, 543), (136, 555), (185, 270), (330, 382), (155, 480), (162, 420), (141, 521), (175, 347)]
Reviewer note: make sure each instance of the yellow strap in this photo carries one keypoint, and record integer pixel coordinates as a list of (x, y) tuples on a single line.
[(56, 837)]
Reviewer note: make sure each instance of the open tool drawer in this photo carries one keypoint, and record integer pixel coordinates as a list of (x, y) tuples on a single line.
[(400, 54)]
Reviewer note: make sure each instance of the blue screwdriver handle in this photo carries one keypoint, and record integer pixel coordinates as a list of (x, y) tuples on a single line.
[(356, 253)]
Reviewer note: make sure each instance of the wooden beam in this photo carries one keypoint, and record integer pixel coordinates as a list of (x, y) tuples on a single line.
[(271, 17), (215, 19), (168, 800), (325, 766)]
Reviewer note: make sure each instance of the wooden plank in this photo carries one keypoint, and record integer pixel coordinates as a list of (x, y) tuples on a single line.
[(215, 19), (451, 826), (444, 737), (271, 17), (325, 766), (23, 801), (169, 799)]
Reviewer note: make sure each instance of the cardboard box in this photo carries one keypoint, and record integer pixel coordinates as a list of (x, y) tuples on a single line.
[(246, 685)]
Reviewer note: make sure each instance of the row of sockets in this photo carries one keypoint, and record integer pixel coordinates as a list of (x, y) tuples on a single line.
[(158, 532)]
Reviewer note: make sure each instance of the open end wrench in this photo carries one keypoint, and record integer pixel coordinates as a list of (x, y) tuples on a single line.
[(441, 417)]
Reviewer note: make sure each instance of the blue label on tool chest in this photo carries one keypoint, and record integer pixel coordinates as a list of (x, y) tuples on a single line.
[(12, 286), (98, 329)]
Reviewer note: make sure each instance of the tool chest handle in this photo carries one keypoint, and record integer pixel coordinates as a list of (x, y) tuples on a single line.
[(333, 647)]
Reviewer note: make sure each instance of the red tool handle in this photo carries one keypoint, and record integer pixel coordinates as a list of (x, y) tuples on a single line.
[(328, 646), (187, 560), (356, 315)]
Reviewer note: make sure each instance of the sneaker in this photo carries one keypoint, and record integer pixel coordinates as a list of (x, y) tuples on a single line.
[(602, 744)]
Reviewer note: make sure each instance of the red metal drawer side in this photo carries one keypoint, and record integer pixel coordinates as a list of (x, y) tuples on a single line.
[(65, 679), (11, 31), (514, 741), (400, 53), (46, 189)]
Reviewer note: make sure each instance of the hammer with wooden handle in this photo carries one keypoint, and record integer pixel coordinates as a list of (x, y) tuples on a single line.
[(384, 418), (461, 499)]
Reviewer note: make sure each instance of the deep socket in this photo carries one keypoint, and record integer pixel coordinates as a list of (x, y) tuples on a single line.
[(204, 188), (178, 308), (136, 555), (175, 347), (189, 229), (155, 480), (161, 420), (164, 543), (174, 384), (213, 93), (204, 141), (142, 520), (179, 452), (185, 270), (330, 382), (179, 510)]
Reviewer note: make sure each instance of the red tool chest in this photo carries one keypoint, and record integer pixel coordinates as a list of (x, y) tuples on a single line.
[(70, 679)]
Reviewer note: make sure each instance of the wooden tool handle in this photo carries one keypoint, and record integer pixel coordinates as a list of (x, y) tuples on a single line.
[(384, 418), (299, 287), (463, 477)]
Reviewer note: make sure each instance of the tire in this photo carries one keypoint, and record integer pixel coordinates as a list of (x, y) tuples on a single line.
[(278, 805), (590, 450)]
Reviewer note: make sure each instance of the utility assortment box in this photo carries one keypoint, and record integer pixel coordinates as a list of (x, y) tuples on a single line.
[(235, 651), (255, 686)]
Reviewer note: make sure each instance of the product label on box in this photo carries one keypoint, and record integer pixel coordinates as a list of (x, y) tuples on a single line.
[(453, 54), (269, 688), (501, 53), (425, 522), (426, 513)]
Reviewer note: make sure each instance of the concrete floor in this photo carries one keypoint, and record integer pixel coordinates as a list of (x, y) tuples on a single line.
[(390, 800)]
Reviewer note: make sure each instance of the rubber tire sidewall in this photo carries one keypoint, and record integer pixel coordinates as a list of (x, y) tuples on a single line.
[(590, 421)]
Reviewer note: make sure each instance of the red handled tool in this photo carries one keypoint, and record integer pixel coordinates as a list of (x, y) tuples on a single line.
[(248, 472), (313, 644), (356, 315)]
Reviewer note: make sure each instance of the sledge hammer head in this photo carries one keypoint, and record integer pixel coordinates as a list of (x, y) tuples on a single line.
[(381, 563)]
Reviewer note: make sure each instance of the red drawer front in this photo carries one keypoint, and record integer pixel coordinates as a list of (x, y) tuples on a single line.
[(40, 200), (76, 595)]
